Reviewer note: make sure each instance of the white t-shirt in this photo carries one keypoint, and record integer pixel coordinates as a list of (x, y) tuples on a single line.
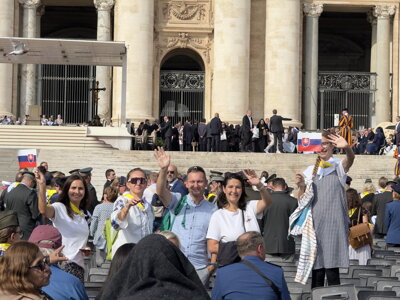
[(74, 233), (227, 225)]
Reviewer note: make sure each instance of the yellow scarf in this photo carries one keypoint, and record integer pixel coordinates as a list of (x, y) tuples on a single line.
[(141, 206), (76, 209), (325, 164)]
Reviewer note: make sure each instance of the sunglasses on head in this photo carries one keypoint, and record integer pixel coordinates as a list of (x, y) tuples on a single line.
[(229, 175), (42, 265), (135, 180)]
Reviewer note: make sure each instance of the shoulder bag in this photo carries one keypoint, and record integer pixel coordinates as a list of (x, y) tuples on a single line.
[(227, 252), (360, 234)]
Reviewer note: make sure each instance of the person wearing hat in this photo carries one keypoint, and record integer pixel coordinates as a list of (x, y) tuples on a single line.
[(215, 186), (121, 185), (10, 231), (346, 124), (86, 173), (392, 218), (24, 201), (379, 209), (62, 286)]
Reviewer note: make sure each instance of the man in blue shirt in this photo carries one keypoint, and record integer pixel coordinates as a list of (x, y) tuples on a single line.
[(191, 223), (240, 282)]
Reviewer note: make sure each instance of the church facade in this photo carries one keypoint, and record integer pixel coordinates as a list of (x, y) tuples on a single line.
[(189, 59)]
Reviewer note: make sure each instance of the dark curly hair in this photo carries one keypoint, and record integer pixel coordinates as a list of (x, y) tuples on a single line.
[(222, 201), (64, 198)]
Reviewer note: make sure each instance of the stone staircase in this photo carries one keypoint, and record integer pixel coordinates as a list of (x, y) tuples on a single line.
[(42, 137), (284, 165)]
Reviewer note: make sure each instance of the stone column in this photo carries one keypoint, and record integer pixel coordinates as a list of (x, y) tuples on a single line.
[(282, 59), (28, 72), (312, 12), (230, 94), (6, 70), (382, 96), (371, 19), (134, 24), (103, 74)]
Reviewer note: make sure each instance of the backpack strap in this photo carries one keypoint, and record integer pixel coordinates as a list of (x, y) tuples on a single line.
[(178, 209), (266, 279)]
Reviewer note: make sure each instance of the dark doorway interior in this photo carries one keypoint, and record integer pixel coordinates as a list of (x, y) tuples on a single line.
[(182, 86)]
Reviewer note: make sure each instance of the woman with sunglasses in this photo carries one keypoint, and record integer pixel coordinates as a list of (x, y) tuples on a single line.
[(69, 216), (132, 217), (23, 272), (235, 216)]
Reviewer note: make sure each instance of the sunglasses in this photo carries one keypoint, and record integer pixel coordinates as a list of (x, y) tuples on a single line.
[(42, 265), (135, 180), (170, 172)]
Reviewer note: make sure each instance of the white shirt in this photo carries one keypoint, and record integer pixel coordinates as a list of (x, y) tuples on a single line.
[(149, 192), (74, 233), (137, 224), (227, 225)]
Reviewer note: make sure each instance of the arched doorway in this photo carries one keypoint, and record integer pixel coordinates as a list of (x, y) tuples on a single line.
[(182, 86)]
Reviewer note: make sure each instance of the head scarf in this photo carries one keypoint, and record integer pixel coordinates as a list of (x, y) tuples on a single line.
[(155, 269)]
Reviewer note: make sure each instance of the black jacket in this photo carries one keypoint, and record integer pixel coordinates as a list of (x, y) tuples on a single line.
[(215, 126), (379, 209), (275, 123)]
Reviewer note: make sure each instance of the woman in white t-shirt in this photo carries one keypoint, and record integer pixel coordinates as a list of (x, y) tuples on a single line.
[(68, 216), (234, 216)]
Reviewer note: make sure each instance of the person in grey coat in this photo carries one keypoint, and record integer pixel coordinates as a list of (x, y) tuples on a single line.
[(202, 130)]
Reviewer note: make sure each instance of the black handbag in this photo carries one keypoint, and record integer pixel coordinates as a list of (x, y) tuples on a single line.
[(227, 252)]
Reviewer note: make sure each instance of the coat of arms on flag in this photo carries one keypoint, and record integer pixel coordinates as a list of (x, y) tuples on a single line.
[(27, 158), (309, 141)]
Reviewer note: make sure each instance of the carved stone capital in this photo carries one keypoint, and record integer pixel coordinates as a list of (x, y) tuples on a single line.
[(40, 10), (384, 11), (30, 3), (313, 9), (371, 18), (104, 4)]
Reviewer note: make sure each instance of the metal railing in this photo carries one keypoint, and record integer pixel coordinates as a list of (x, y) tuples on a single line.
[(182, 95), (353, 90), (65, 90)]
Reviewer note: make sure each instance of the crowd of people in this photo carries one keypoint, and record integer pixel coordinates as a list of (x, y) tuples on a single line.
[(167, 232), (267, 135)]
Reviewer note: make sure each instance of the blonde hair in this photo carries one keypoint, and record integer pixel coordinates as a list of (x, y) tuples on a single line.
[(369, 187), (169, 235)]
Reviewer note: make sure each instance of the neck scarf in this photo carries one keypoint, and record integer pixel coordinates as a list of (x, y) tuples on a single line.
[(325, 164), (76, 209)]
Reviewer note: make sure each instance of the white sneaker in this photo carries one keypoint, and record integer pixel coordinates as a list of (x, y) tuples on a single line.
[(278, 151)]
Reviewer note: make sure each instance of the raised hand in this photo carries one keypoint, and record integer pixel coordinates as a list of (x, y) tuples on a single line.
[(299, 179), (338, 141), (252, 177), (162, 157), (40, 179), (57, 256)]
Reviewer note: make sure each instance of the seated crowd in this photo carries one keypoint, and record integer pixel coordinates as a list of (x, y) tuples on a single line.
[(167, 233)]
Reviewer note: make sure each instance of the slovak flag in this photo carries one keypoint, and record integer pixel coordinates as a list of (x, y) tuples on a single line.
[(309, 141), (27, 158)]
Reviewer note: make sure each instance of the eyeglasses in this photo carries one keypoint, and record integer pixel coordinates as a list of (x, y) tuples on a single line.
[(42, 265), (326, 143), (170, 172), (135, 180)]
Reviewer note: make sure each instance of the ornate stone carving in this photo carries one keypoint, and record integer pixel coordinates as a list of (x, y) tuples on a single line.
[(346, 81), (41, 10), (313, 9), (371, 18), (184, 11), (30, 3), (185, 40), (384, 11), (104, 4)]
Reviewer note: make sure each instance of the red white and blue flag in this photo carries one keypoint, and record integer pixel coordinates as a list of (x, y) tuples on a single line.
[(309, 142), (27, 158)]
